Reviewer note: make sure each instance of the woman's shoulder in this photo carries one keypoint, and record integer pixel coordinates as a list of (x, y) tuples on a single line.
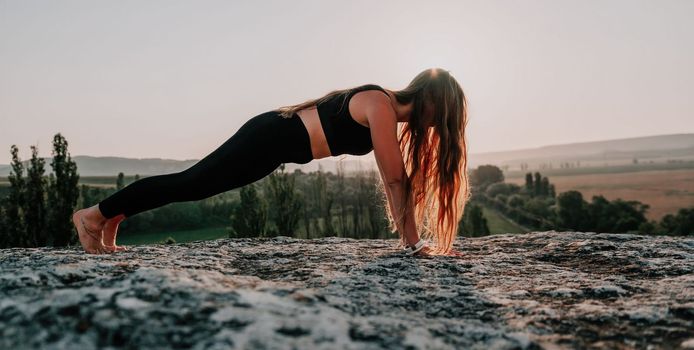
[(369, 87)]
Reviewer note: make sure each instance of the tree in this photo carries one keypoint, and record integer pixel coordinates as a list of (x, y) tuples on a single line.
[(485, 175), (341, 195), (3, 224), (572, 211), (544, 186), (358, 204), (120, 182), (681, 224), (376, 202), (552, 192), (515, 201), (284, 203), (86, 196), (502, 188), (249, 218), (62, 194), (35, 213), (474, 223), (323, 200), (538, 184), (617, 216), (15, 228), (529, 182), (308, 209), (537, 206)]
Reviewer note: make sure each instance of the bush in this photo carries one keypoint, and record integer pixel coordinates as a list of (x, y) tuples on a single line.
[(485, 175), (168, 240), (681, 224), (515, 201), (502, 188), (537, 206)]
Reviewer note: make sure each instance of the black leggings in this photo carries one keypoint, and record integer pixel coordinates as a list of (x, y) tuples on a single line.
[(253, 152)]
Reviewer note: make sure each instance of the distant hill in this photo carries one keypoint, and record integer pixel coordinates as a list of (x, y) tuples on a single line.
[(658, 148), (111, 166)]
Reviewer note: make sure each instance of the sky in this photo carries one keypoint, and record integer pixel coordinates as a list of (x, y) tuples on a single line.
[(175, 79)]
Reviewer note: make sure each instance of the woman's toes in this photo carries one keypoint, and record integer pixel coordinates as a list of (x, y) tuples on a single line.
[(115, 248)]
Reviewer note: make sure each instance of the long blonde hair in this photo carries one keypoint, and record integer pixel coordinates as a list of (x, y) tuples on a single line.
[(435, 157)]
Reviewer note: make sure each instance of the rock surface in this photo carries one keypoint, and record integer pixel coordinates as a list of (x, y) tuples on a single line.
[(549, 290)]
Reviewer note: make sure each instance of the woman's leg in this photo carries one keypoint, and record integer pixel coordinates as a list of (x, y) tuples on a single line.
[(252, 153)]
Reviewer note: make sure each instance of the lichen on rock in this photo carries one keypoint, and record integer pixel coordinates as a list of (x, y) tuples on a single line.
[(528, 291)]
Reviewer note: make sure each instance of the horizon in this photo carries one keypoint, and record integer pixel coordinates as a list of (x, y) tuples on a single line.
[(535, 73), (365, 159)]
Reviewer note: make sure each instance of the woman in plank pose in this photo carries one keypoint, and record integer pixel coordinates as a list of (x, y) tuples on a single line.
[(422, 161)]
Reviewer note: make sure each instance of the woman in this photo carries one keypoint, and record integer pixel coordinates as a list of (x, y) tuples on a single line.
[(422, 166)]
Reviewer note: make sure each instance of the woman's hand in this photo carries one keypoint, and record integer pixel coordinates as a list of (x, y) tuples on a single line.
[(426, 251)]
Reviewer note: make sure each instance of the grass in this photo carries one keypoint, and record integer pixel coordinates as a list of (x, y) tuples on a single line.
[(499, 224), (180, 236)]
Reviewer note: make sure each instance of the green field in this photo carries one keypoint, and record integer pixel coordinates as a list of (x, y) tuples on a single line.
[(179, 236), (499, 224)]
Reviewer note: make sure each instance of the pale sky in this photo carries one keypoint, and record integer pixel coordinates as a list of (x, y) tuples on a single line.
[(175, 79)]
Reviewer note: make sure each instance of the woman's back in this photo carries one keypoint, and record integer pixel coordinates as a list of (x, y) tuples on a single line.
[(343, 132)]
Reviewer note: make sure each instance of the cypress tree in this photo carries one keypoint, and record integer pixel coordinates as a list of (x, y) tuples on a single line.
[(35, 213), (538, 184), (544, 188), (15, 228), (62, 194), (120, 182), (529, 183)]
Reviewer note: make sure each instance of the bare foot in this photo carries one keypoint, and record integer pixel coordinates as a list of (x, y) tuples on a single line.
[(88, 233), (110, 231)]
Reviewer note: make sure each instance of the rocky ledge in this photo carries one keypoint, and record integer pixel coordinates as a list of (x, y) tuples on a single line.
[(538, 290)]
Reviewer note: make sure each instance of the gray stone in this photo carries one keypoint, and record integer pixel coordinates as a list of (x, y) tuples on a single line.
[(530, 291)]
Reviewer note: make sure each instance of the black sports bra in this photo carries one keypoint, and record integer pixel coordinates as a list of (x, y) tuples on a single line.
[(344, 134)]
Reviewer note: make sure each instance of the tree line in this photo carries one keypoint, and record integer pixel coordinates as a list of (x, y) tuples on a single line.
[(537, 206), (37, 209), (311, 205)]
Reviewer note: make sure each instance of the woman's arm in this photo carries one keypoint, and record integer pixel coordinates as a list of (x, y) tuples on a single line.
[(383, 124), (406, 225)]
